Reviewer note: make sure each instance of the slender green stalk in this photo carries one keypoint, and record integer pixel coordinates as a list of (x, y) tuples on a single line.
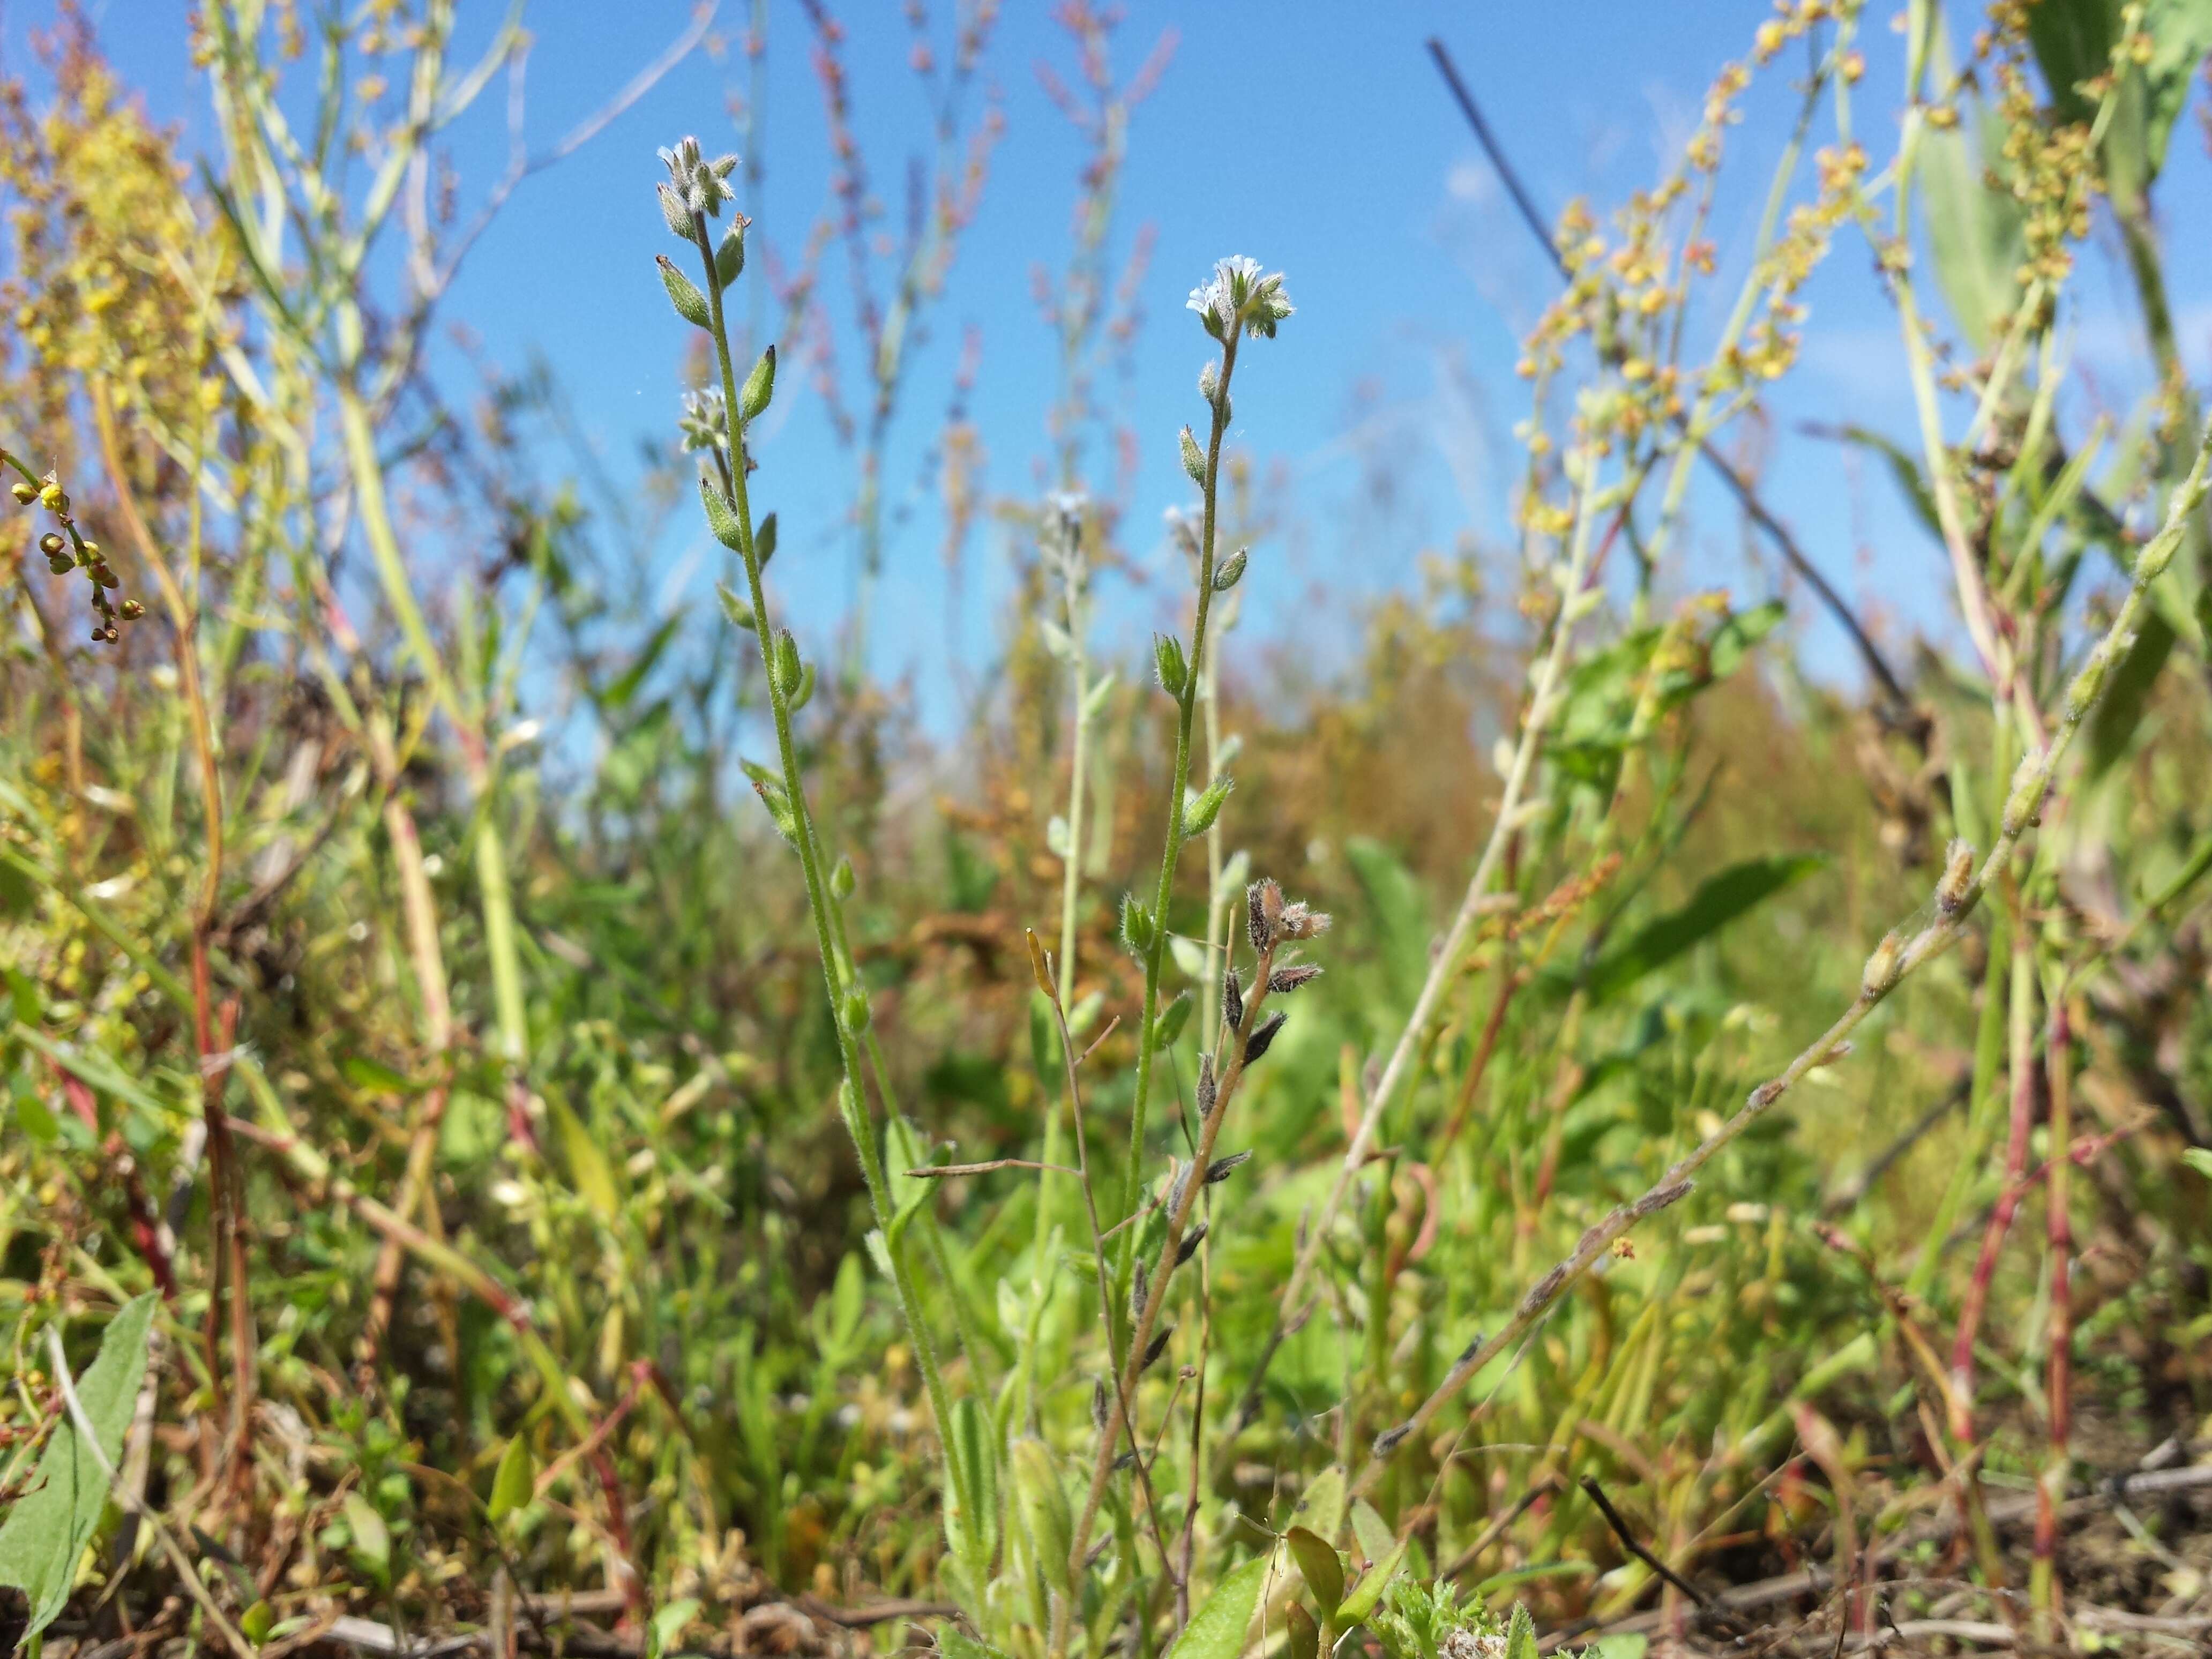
[(852, 1099), (1171, 851)]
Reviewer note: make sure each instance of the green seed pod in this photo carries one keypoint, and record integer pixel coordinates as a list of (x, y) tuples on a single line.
[(841, 880), (1230, 571), (1137, 930), (855, 1010), (1167, 658), (730, 256), (1200, 811), (759, 387), (785, 663), (1193, 458), (682, 293), (722, 517)]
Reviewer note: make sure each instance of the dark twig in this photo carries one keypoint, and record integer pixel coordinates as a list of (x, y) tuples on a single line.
[(1631, 1543)]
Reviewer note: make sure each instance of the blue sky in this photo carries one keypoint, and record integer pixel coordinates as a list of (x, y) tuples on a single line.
[(1315, 138)]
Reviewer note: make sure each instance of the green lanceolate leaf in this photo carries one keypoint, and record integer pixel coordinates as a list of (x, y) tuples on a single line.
[(1322, 1567), (1521, 1635), (515, 1483), (1718, 901), (1217, 1630), (1369, 1591), (46, 1532), (589, 1173), (1198, 811), (1044, 1509)]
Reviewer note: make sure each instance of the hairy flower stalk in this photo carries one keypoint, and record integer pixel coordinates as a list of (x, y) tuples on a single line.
[(1237, 301), (693, 195)]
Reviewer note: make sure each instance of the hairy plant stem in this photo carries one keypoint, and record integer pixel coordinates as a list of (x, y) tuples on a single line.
[(1186, 705), (1232, 1044), (853, 1100)]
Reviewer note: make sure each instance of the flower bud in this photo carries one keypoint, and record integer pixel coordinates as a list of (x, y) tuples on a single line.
[(1230, 572), (49, 543), (24, 494), (841, 880)]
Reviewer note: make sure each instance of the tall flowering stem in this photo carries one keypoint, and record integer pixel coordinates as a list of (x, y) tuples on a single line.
[(694, 197), (1237, 301)]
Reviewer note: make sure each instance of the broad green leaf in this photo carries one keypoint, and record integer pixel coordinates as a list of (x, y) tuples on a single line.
[(515, 1483), (1905, 469), (374, 1077), (1046, 1521), (1720, 900), (622, 690), (2127, 693), (1324, 1570), (1217, 1630), (1321, 1511), (1734, 639), (1377, 1579), (669, 1622), (589, 1172), (46, 1532), (1521, 1635), (1973, 225), (370, 1543), (1376, 1538), (954, 1645), (974, 1447), (1402, 915)]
